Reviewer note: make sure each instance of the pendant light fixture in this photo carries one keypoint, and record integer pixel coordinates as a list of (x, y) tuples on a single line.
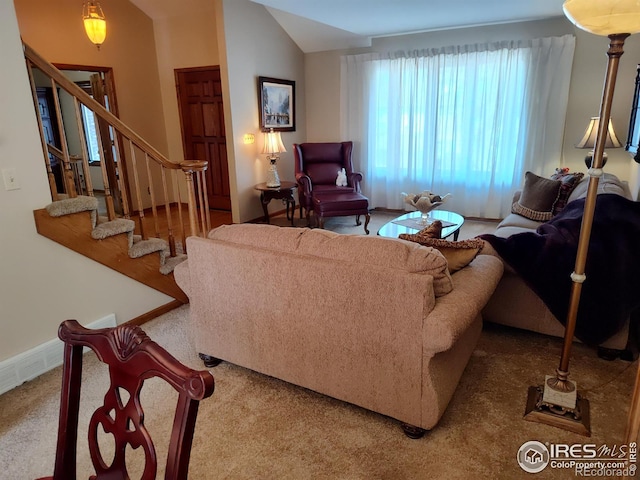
[(94, 22)]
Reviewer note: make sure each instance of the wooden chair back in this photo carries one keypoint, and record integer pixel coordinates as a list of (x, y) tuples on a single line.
[(132, 358)]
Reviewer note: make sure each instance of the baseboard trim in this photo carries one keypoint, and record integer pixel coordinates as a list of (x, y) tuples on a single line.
[(31, 364), (156, 312)]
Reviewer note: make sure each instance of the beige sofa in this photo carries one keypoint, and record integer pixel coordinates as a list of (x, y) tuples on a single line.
[(516, 305), (376, 322)]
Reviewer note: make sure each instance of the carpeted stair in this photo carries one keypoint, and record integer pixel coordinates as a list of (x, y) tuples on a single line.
[(103, 228)]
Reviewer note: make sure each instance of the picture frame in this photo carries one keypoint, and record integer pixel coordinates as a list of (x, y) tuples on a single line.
[(276, 104), (633, 136)]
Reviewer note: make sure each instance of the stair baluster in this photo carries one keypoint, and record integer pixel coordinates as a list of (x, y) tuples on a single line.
[(152, 192), (111, 211), (69, 183), (193, 171)]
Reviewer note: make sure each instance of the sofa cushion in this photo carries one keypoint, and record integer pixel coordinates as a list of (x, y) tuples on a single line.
[(538, 198), (374, 250), (608, 183), (458, 254), (568, 181), (379, 251), (263, 236)]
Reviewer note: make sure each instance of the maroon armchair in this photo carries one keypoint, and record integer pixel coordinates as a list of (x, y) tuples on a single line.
[(316, 168)]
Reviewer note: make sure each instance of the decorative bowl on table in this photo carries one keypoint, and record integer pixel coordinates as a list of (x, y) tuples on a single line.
[(425, 202)]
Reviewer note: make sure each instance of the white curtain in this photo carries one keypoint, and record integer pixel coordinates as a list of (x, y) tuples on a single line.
[(466, 120)]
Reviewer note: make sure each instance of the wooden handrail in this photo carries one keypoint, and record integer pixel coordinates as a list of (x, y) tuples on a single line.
[(98, 109), (192, 169)]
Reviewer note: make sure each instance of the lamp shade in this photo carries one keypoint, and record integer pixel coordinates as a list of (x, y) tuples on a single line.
[(604, 17), (95, 24), (273, 143), (589, 138)]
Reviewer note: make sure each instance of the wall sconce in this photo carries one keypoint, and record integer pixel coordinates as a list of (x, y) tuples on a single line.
[(94, 21), (249, 139), (273, 146)]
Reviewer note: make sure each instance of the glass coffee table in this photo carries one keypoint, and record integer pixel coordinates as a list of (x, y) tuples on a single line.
[(410, 223)]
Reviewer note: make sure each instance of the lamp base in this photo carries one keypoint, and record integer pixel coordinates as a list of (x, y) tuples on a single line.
[(588, 160), (576, 420), (273, 179)]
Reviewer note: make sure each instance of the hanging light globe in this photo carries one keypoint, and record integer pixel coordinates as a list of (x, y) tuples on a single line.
[(95, 23)]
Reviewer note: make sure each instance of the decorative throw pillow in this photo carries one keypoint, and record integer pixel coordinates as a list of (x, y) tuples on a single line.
[(569, 181), (434, 230), (458, 254), (538, 198)]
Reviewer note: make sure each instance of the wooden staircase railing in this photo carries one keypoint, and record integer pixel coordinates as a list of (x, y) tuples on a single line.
[(158, 169)]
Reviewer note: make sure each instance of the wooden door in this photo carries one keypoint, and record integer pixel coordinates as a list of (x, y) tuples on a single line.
[(203, 132), (50, 131)]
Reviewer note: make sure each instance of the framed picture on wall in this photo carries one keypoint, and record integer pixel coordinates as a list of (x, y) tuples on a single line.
[(633, 137), (276, 102)]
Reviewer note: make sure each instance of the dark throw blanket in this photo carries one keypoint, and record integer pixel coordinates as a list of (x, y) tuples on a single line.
[(546, 258)]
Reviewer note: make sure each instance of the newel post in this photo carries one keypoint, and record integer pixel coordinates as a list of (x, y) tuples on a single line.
[(191, 167)]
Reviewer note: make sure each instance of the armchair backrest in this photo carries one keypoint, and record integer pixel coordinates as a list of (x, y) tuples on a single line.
[(322, 161)]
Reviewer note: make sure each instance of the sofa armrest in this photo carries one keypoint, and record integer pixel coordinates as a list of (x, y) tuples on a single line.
[(304, 183), (456, 311), (182, 276), (304, 189)]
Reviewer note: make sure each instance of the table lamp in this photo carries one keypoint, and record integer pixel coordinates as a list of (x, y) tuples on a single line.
[(589, 140), (273, 146)]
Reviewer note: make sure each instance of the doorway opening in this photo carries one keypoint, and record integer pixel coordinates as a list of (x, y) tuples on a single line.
[(98, 83)]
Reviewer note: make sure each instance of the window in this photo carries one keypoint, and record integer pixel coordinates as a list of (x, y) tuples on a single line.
[(464, 120), (90, 126)]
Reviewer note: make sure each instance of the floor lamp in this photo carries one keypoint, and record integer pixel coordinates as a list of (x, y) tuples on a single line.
[(557, 401)]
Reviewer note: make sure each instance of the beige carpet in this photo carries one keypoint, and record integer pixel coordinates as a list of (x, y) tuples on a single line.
[(256, 427)]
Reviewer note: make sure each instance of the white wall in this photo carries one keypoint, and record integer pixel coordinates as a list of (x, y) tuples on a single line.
[(53, 29), (322, 72), (253, 44), (41, 282), (189, 40)]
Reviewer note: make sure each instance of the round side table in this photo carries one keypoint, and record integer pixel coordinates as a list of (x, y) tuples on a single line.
[(283, 192)]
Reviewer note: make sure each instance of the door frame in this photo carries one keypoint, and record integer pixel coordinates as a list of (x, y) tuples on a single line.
[(110, 93)]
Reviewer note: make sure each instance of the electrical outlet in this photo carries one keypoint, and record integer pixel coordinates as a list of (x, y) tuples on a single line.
[(10, 179)]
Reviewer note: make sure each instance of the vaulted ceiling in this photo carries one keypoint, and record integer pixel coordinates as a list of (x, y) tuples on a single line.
[(317, 25)]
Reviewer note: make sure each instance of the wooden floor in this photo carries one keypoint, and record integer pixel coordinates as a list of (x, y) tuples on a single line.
[(218, 217)]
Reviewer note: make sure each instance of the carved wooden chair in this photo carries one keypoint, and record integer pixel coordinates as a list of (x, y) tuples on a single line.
[(132, 358)]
